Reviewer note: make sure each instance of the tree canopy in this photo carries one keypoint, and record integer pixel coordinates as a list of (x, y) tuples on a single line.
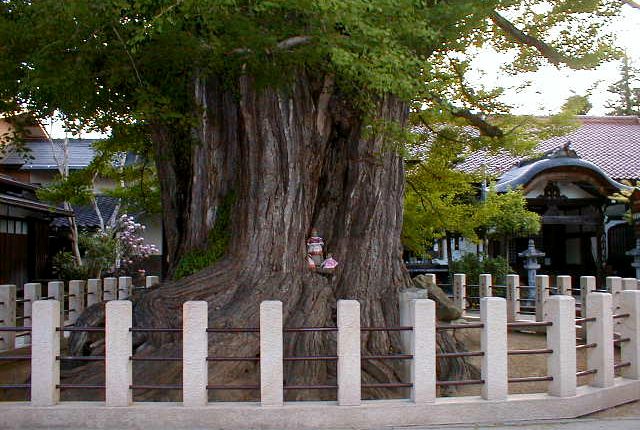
[(118, 63)]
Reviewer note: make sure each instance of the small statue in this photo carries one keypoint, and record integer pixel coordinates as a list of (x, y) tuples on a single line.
[(329, 263), (311, 265), (315, 247)]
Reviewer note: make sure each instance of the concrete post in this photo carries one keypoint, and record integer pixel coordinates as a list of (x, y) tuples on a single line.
[(349, 389), (124, 287), (150, 281), (406, 315), (629, 284), (614, 286), (7, 316), (561, 338), (423, 349), (195, 346), (55, 289), (587, 286), (76, 299), (460, 290), (118, 352), (630, 327), (542, 294), (485, 285), (493, 340), (45, 347), (32, 293), (110, 287), (272, 354), (94, 291), (600, 332), (563, 282), (513, 297)]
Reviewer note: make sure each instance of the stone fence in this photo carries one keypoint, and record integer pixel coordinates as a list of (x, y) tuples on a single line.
[(605, 330), (74, 298), (529, 299)]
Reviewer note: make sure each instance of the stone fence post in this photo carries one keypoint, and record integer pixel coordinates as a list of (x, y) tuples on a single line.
[(55, 289), (124, 287), (423, 349), (630, 327), (150, 281), (563, 283), (272, 353), (349, 389), (76, 299), (460, 290), (45, 348), (600, 332), (32, 293), (587, 286), (485, 285), (118, 374), (7, 316), (493, 340), (94, 291), (110, 287), (195, 345), (542, 294), (513, 297), (561, 338), (629, 284)]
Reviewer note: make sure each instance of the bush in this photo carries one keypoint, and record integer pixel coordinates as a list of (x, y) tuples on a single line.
[(474, 265)]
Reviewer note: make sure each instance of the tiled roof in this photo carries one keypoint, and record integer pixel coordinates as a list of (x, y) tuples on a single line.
[(41, 156), (86, 216), (611, 143)]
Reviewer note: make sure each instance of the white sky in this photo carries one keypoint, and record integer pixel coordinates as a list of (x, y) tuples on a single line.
[(550, 86)]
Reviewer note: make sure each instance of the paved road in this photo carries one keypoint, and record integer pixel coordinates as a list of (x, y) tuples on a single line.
[(625, 423)]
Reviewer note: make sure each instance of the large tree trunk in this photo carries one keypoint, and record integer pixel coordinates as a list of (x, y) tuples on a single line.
[(294, 159)]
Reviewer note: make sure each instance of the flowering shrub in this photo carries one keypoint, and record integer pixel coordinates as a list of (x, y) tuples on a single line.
[(130, 246), (115, 250)]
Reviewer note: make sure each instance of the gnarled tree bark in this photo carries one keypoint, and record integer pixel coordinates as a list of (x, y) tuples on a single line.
[(295, 158)]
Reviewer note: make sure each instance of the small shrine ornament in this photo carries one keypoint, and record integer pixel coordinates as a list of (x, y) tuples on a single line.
[(329, 263), (315, 248)]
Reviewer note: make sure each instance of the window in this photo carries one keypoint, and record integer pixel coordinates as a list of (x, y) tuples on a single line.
[(11, 226)]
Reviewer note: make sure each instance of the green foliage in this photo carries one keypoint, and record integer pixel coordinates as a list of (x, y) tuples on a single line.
[(66, 267), (129, 63), (626, 91), (579, 105), (217, 243), (98, 251), (474, 265)]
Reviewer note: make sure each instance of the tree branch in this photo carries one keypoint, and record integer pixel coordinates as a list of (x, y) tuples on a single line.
[(520, 36), (632, 3), (474, 119), (288, 43)]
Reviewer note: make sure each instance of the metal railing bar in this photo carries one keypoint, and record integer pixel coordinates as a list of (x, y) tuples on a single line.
[(587, 372), (460, 354), (530, 351), (134, 358), (530, 379), (530, 324), (460, 382), (620, 365), (310, 387), (233, 387), (155, 387), (458, 326), (389, 385), (586, 346), (80, 358), (233, 358)]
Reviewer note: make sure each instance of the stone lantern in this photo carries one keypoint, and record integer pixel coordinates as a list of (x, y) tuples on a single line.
[(531, 256)]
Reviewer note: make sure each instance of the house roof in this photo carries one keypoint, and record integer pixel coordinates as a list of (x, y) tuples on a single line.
[(524, 174), (41, 155), (612, 143), (86, 216), (22, 195)]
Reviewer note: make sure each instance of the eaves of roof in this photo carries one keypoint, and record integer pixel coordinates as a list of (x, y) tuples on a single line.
[(34, 205)]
